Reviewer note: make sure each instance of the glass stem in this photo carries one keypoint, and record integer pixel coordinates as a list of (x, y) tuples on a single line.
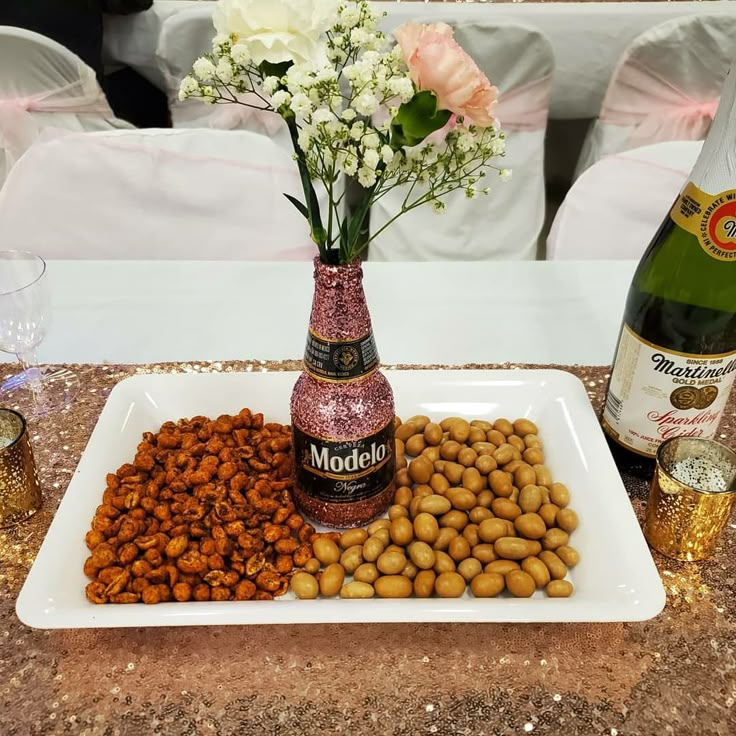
[(33, 375)]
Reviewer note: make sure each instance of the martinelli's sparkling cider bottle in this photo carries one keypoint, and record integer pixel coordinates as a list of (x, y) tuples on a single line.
[(342, 408), (676, 356)]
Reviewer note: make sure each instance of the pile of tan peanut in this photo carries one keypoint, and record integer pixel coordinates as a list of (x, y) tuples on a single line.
[(474, 506)]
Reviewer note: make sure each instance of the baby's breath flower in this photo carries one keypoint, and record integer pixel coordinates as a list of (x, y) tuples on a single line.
[(209, 94), (498, 147), (188, 87), (349, 17), (322, 116), (504, 174), (280, 99), (224, 71), (371, 140), (465, 142), (220, 43), (438, 206), (305, 137), (240, 54), (203, 69), (366, 104), (270, 85), (371, 158), (366, 177), (350, 165), (300, 105), (401, 87), (387, 154)]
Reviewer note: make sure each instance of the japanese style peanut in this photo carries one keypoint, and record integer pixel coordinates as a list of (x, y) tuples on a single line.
[(474, 506)]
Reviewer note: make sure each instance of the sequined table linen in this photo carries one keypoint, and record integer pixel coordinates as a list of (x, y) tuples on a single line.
[(675, 674)]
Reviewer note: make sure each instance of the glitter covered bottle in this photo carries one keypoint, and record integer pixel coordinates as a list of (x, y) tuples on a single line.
[(342, 407)]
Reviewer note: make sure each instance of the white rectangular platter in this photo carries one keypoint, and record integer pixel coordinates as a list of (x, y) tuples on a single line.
[(616, 579)]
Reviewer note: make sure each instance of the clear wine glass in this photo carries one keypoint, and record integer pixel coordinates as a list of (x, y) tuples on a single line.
[(24, 322)]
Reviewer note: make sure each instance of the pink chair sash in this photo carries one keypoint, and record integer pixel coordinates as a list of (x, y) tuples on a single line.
[(526, 107), (19, 129), (231, 117), (658, 110)]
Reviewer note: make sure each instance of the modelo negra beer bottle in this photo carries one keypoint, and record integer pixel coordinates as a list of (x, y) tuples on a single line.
[(676, 356), (342, 408)]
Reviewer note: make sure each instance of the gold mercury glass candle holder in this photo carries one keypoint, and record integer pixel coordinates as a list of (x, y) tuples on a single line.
[(690, 500), (20, 491)]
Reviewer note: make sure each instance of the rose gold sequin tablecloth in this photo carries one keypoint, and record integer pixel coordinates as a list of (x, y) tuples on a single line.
[(675, 674)]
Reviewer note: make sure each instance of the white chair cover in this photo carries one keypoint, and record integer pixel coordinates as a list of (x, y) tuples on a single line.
[(666, 86), (614, 209), (44, 87), (156, 194), (506, 224)]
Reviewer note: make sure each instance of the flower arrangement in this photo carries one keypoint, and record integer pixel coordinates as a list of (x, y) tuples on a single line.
[(418, 114)]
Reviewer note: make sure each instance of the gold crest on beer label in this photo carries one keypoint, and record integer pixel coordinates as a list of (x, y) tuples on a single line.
[(711, 219), (340, 360), (655, 394)]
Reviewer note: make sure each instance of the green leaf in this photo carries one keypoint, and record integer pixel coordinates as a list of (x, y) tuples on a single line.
[(299, 205), (269, 69), (417, 119)]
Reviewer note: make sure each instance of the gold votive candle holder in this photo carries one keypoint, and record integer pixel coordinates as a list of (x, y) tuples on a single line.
[(691, 496), (20, 490)]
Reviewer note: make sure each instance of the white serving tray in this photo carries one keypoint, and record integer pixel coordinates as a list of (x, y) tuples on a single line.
[(616, 579)]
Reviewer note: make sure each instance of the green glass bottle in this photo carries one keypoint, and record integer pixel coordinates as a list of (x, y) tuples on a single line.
[(676, 357)]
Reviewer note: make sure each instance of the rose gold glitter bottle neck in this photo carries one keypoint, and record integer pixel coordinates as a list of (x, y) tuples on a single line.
[(339, 309)]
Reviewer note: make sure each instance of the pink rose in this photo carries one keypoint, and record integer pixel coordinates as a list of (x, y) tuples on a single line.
[(438, 63)]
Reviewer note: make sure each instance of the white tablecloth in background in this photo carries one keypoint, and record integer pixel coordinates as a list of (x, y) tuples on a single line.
[(587, 38), (427, 313)]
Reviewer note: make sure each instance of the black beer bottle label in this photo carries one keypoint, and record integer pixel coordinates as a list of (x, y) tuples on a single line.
[(344, 471), (332, 360)]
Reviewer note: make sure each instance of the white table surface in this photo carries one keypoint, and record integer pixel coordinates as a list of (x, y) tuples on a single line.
[(426, 313), (587, 38)]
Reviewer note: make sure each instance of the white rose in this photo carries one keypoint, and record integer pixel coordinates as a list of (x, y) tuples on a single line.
[(278, 30)]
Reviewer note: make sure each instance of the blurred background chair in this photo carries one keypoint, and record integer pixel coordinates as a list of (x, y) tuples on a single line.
[(184, 37), (44, 88), (614, 209), (665, 87), (507, 223), (156, 194)]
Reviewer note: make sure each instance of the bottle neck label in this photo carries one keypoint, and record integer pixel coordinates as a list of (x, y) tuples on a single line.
[(711, 219), (655, 394), (344, 471), (335, 360)]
